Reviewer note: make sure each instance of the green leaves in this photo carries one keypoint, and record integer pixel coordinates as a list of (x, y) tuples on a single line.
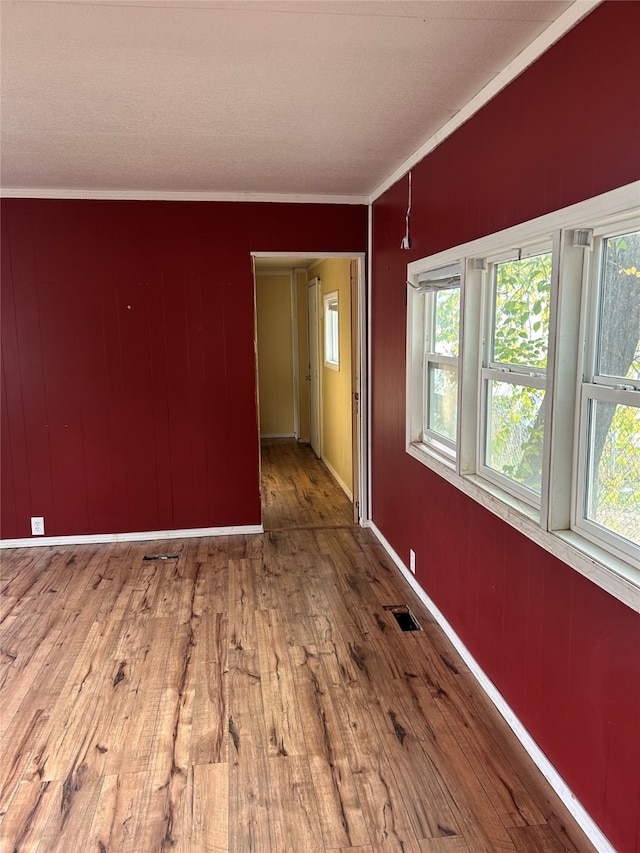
[(446, 332), (515, 432), (522, 301)]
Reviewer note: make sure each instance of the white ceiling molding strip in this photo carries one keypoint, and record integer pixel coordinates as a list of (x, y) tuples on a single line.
[(545, 40), (159, 195)]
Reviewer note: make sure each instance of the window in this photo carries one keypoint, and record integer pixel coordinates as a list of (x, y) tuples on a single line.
[(442, 332), (514, 372), (608, 465), (523, 380), (331, 331)]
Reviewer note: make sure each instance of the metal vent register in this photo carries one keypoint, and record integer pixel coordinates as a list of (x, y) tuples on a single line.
[(404, 617), (161, 557)]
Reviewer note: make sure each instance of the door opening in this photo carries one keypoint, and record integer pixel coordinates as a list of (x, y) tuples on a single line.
[(324, 400)]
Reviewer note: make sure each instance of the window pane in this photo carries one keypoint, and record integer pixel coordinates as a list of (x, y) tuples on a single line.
[(613, 478), (331, 330), (619, 326), (443, 400), (447, 322), (521, 312), (515, 430)]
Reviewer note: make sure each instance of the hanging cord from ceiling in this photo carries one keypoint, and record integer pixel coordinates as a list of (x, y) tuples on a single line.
[(405, 240)]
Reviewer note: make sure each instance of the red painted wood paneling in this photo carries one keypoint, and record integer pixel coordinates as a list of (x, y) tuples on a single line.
[(129, 400), (563, 653)]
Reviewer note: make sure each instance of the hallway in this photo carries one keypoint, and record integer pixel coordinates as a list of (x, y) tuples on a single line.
[(298, 490)]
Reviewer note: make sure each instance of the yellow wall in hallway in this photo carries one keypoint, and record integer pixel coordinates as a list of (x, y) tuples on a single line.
[(336, 384), (303, 354), (275, 354)]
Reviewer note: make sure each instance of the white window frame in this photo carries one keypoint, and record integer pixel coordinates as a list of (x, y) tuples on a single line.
[(552, 523), (595, 387), (429, 284), (519, 375), (331, 303), (439, 442)]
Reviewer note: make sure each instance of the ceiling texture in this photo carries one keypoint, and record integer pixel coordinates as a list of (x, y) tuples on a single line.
[(322, 99)]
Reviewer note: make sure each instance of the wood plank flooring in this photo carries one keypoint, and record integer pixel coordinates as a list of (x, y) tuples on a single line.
[(252, 695), (298, 489)]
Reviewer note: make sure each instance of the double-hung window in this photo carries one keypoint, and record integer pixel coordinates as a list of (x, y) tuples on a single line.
[(523, 380), (513, 376), (442, 332), (607, 495)]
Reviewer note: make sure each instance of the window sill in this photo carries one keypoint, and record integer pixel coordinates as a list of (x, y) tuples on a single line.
[(423, 451), (615, 576)]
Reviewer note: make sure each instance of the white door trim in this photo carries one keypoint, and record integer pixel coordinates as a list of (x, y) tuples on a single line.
[(364, 272)]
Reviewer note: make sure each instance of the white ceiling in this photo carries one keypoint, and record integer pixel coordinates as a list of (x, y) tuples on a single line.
[(303, 98)]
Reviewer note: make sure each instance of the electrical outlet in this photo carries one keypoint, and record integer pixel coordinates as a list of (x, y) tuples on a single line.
[(412, 560), (37, 525)]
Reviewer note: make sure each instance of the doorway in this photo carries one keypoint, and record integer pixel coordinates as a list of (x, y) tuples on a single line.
[(324, 338)]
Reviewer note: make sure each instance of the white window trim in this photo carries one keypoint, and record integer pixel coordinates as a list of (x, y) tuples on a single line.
[(521, 380), (436, 441), (328, 300), (582, 525), (515, 374), (549, 527), (431, 436), (421, 319), (599, 387)]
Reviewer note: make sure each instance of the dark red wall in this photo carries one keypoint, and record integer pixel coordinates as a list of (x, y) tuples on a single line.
[(564, 654), (119, 419), (128, 399)]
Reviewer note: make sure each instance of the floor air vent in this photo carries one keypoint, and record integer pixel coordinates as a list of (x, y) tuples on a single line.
[(161, 557), (404, 617)]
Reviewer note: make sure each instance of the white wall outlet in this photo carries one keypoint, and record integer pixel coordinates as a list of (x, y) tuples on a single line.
[(37, 525), (412, 560)]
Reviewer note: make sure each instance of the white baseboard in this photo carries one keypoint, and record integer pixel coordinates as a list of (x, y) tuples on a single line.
[(574, 806), (101, 538), (338, 479), (277, 435)]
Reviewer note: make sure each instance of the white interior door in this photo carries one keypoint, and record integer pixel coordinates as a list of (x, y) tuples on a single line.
[(314, 365)]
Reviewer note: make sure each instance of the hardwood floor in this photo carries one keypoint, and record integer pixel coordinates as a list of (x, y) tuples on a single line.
[(298, 490), (252, 695)]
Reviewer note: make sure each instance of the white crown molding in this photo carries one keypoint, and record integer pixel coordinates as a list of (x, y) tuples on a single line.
[(105, 538), (573, 804), (160, 195), (527, 57)]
